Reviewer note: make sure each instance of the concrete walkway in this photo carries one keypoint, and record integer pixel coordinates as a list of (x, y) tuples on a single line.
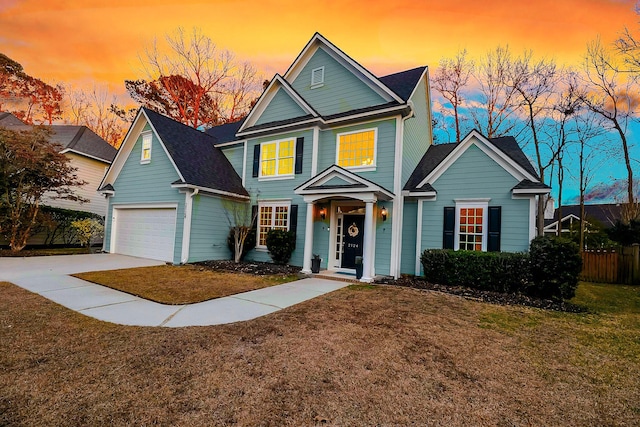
[(49, 277)]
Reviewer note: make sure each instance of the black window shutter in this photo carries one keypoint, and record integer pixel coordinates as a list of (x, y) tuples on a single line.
[(495, 224), (254, 217), (256, 160), (293, 218), (449, 227), (299, 150)]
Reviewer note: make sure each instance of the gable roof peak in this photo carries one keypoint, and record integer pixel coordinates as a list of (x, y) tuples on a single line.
[(298, 64)]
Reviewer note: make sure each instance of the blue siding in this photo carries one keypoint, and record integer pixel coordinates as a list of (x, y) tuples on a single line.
[(281, 189), (281, 107), (235, 154), (409, 227), (476, 175), (417, 132), (148, 183), (321, 238), (383, 240), (209, 229), (342, 90), (385, 155)]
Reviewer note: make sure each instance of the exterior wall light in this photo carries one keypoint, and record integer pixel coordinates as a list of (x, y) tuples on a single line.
[(383, 212), (323, 213)]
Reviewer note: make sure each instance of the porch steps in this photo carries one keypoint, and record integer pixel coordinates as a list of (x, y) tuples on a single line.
[(335, 276)]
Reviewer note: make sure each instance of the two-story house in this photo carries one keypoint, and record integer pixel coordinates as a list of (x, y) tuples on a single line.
[(340, 156)]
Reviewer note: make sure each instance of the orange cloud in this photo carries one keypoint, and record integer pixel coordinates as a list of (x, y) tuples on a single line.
[(90, 40)]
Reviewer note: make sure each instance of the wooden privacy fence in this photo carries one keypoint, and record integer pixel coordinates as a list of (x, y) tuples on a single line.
[(621, 265)]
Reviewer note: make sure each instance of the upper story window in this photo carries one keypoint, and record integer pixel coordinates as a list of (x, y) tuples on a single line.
[(277, 158), (357, 149), (317, 77), (145, 157), (271, 215)]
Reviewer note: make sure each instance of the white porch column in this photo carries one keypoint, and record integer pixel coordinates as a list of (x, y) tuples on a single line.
[(308, 240), (369, 253)]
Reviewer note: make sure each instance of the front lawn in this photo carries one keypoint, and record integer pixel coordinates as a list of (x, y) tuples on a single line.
[(364, 355), (185, 284), (43, 252)]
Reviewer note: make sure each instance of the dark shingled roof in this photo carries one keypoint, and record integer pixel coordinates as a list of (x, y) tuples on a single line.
[(509, 146), (79, 139), (526, 184), (194, 154), (437, 153), (280, 122), (8, 119), (605, 213), (225, 133), (83, 140), (404, 82), (433, 157)]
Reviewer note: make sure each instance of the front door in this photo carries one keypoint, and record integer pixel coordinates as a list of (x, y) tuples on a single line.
[(352, 238)]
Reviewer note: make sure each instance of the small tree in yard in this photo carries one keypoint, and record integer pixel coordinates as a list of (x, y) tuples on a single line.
[(30, 166), (241, 218), (87, 229)]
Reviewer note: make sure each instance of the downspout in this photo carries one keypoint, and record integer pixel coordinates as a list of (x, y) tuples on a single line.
[(106, 224), (186, 227), (398, 203)]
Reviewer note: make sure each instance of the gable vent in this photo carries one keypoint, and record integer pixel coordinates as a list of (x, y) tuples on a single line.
[(317, 77)]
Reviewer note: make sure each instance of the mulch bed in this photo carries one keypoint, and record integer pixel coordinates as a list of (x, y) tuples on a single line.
[(257, 268), (488, 296), (267, 268)]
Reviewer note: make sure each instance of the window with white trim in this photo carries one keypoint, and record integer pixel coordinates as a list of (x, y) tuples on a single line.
[(277, 158), (357, 149), (145, 156), (271, 215), (471, 226), (317, 77)]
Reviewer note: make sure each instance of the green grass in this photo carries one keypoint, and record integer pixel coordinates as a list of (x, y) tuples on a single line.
[(609, 331), (605, 298)]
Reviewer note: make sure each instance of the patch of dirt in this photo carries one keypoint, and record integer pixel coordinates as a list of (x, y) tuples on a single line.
[(253, 267), (488, 296)]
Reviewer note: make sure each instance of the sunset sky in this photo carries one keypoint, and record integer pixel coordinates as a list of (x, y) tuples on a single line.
[(86, 41)]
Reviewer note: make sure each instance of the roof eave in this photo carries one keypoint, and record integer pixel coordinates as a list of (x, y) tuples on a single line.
[(531, 191), (211, 190)]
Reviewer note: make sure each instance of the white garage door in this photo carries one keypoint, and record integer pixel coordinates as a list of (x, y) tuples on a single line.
[(145, 233)]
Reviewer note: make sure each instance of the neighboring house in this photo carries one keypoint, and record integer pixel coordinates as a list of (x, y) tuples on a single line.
[(332, 152), (86, 151), (605, 214)]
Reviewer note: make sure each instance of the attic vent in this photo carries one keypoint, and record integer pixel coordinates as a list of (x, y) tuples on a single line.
[(317, 77)]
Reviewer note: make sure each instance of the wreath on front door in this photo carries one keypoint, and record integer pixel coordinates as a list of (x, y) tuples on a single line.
[(353, 230)]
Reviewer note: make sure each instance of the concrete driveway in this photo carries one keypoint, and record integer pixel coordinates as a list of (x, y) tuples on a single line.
[(49, 277)]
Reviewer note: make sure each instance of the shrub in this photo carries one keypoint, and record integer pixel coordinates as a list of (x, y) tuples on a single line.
[(625, 234), (249, 243), (555, 266), (56, 222), (491, 271), (87, 229), (281, 244), (549, 270)]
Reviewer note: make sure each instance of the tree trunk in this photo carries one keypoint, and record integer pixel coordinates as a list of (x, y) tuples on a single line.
[(627, 161)]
